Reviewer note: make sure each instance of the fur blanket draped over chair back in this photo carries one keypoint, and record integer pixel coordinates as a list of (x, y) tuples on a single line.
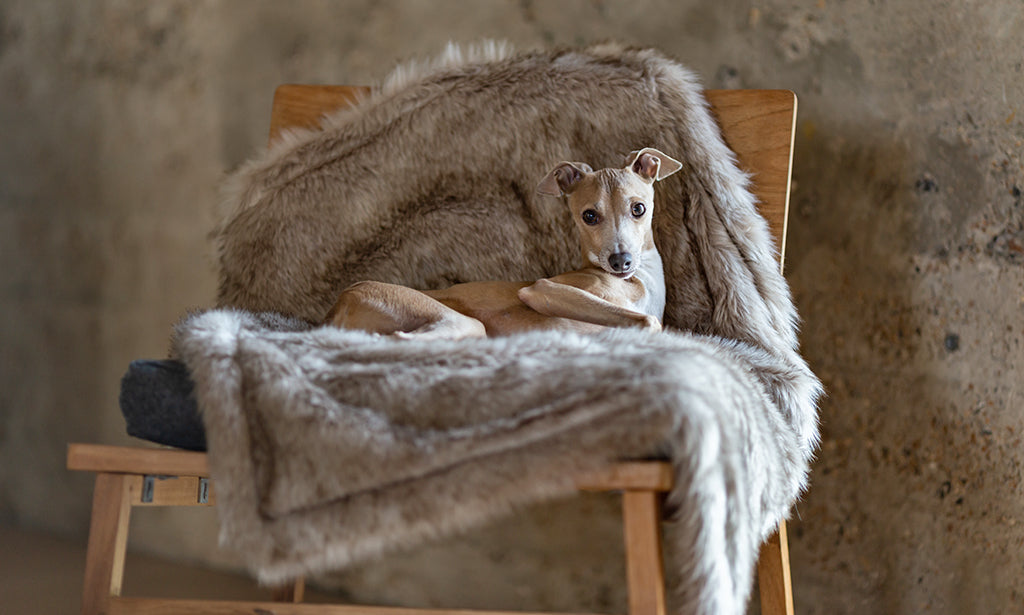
[(330, 446)]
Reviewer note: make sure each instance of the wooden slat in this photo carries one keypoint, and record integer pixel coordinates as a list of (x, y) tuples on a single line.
[(170, 491), (134, 460), (302, 106), (108, 539), (149, 606), (653, 475), (650, 475), (645, 570), (290, 592), (759, 125), (773, 575)]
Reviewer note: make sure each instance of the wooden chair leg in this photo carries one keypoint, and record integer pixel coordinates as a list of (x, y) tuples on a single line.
[(773, 575), (293, 592), (645, 571), (108, 538)]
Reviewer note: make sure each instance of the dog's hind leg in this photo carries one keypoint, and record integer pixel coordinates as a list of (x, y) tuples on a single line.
[(401, 311)]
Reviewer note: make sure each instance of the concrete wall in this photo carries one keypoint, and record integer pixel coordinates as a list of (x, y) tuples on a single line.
[(906, 254)]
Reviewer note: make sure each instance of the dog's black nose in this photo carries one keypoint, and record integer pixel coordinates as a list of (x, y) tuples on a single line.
[(621, 261)]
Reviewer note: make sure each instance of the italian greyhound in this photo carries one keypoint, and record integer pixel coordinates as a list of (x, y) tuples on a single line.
[(622, 284)]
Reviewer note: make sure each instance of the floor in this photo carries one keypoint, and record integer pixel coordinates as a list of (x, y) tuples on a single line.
[(42, 574)]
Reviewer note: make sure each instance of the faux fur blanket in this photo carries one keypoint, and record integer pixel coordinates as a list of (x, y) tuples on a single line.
[(330, 446)]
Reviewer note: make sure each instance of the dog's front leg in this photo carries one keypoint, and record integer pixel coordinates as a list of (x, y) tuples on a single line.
[(565, 301)]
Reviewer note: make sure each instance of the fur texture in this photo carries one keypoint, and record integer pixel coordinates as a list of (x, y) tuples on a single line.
[(329, 446)]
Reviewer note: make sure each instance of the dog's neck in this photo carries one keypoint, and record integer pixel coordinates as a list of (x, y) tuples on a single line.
[(651, 274)]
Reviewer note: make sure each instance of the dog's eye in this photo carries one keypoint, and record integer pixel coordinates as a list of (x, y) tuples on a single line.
[(590, 217), (638, 209)]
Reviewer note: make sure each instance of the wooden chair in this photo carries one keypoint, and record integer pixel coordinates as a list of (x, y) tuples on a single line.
[(757, 124)]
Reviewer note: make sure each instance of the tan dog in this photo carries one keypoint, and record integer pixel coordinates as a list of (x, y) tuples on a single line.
[(623, 284)]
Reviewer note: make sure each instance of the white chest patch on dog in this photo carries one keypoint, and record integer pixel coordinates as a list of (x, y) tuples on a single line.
[(652, 275)]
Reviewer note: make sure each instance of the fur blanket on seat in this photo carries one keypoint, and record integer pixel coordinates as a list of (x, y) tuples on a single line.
[(329, 446)]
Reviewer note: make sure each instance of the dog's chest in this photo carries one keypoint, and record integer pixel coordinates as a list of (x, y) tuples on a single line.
[(652, 275)]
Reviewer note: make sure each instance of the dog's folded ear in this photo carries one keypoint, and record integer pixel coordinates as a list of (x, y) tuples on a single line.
[(563, 179), (652, 164)]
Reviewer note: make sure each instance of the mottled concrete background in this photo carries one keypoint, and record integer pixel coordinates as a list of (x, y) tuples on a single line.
[(906, 254)]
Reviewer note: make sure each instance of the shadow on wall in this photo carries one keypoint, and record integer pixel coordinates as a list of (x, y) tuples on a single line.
[(873, 242)]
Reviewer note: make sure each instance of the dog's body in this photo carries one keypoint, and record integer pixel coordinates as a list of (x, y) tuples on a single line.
[(622, 286)]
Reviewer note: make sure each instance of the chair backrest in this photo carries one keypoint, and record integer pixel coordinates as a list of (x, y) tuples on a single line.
[(759, 125)]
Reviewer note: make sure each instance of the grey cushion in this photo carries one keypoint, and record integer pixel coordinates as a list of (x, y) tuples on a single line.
[(158, 404)]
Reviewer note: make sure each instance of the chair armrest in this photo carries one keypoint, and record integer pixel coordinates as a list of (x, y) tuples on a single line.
[(136, 460)]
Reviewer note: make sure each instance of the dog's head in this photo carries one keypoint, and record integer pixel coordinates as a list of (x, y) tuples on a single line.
[(612, 207)]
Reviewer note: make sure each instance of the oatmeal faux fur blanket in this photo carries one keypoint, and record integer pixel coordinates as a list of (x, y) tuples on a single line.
[(330, 446)]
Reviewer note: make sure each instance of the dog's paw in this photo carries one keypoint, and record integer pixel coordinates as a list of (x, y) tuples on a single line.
[(535, 295), (445, 329), (651, 323)]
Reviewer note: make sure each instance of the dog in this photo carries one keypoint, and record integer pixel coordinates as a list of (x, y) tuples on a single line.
[(622, 284)]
